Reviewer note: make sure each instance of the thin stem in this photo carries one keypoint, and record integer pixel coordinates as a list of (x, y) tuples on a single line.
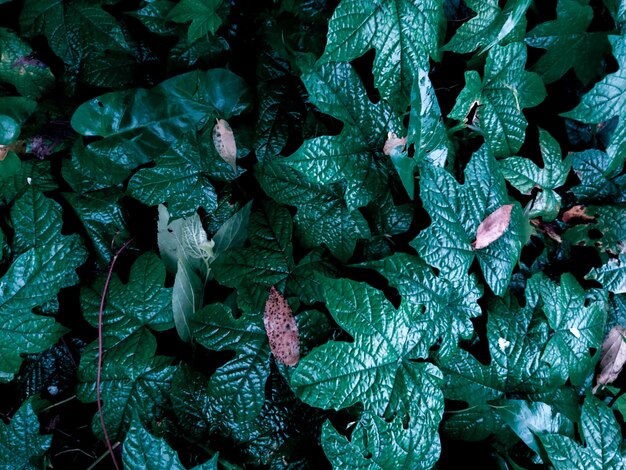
[(100, 352), (93, 465), (59, 403)]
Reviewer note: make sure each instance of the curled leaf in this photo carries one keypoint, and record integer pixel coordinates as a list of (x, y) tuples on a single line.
[(392, 144), (493, 227), (281, 329), (224, 141), (613, 356)]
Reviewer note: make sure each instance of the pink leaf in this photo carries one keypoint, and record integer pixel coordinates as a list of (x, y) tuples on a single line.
[(613, 357), (493, 227), (281, 328), (224, 141)]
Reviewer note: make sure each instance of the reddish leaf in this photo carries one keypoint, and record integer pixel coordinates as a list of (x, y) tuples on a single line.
[(281, 329), (493, 227), (613, 357), (393, 142), (576, 212)]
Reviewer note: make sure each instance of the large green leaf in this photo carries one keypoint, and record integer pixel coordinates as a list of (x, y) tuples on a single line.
[(456, 212), (142, 301), (162, 114), (602, 439), (21, 445), (404, 33), (237, 389), (494, 105), (378, 370), (491, 26), (203, 15), (135, 381), (568, 43), (526, 176), (34, 278), (450, 304)]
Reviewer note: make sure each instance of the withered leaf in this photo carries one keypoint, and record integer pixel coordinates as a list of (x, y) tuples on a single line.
[(576, 212), (493, 227), (393, 142), (224, 141), (281, 328), (613, 357)]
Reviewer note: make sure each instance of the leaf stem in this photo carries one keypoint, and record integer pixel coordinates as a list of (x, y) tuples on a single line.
[(100, 353)]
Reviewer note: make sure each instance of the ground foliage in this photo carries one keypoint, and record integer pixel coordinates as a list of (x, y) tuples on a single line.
[(433, 191)]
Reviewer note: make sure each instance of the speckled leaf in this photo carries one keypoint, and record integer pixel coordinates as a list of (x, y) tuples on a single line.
[(281, 328)]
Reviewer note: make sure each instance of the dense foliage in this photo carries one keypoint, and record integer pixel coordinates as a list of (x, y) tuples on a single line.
[(433, 191)]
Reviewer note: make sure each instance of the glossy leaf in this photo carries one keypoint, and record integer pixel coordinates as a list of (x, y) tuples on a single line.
[(21, 444)]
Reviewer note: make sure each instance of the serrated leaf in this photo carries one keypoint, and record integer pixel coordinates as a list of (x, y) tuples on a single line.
[(142, 301), (568, 43), (612, 275), (525, 176), (456, 212), (37, 221), (450, 303), (602, 437), (135, 381), (499, 98), (598, 180), (237, 387), (21, 445), (491, 26), (404, 33)]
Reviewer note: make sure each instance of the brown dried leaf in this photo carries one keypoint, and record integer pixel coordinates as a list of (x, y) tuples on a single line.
[(224, 141), (576, 212), (393, 142), (493, 227), (548, 229), (613, 357), (281, 328)]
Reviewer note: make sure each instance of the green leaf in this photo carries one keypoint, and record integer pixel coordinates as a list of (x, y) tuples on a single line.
[(377, 370), (142, 450), (426, 129), (525, 176), (21, 445), (267, 262), (73, 30), (457, 211), (135, 382), (179, 178), (598, 180), (34, 277), (606, 99), (491, 26), (142, 301), (30, 77), (323, 215), (606, 232), (9, 130), (450, 303), (498, 100), (612, 275), (568, 43), (404, 33), (238, 387), (602, 437), (17, 177), (203, 15), (351, 158), (162, 114)]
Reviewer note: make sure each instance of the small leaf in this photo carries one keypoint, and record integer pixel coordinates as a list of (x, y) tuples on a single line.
[(493, 227), (613, 357), (282, 329), (225, 144), (577, 212)]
